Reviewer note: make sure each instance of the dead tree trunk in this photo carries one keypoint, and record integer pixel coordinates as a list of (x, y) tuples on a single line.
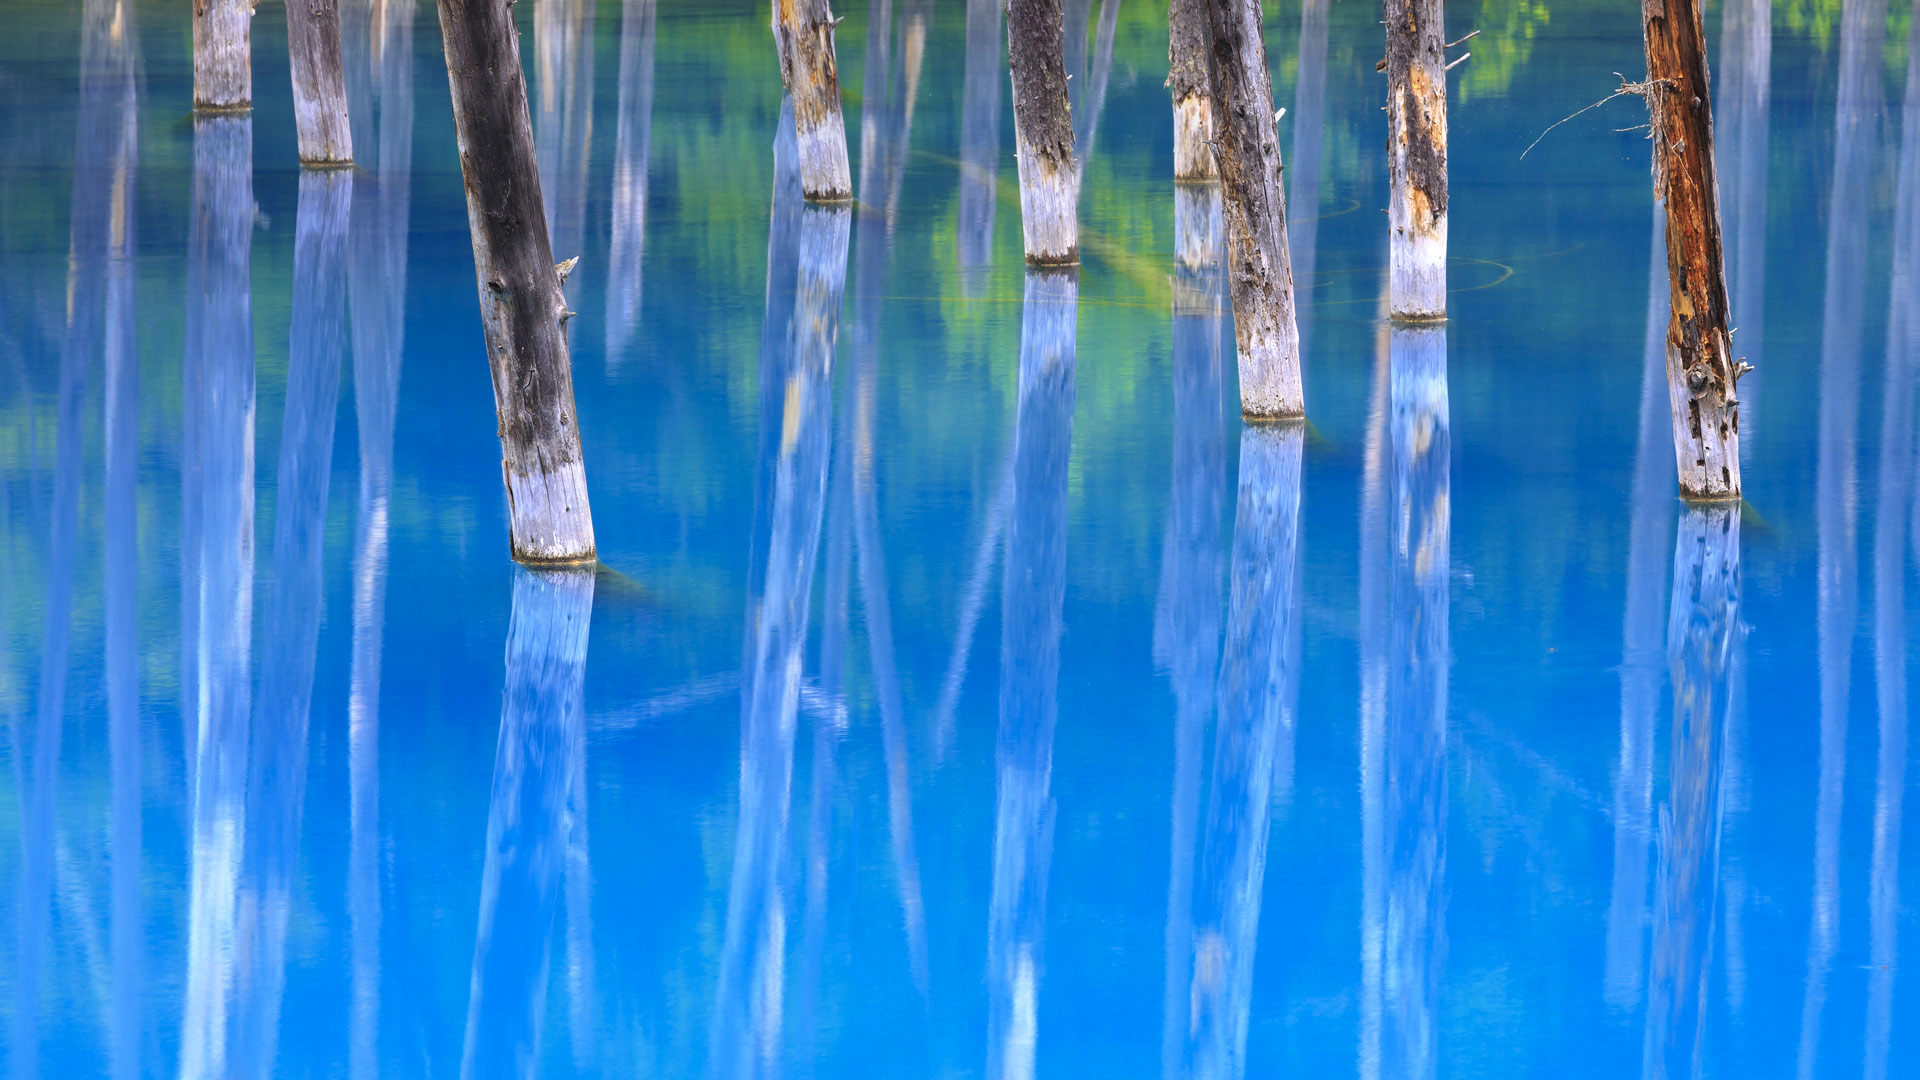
[(1701, 375), (319, 82), (222, 55), (1043, 133), (521, 305), (1417, 159), (1192, 96), (1247, 153), (803, 33)]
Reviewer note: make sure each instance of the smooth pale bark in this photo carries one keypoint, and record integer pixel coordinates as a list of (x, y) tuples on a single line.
[(1856, 116), (803, 35), (542, 723), (563, 125), (632, 132), (319, 82), (222, 55), (1247, 152), (1744, 96), (1309, 133), (1416, 159), (1043, 133), (1703, 621), (1187, 614), (1033, 591), (1702, 372), (979, 144), (1192, 94), (522, 307), (220, 351)]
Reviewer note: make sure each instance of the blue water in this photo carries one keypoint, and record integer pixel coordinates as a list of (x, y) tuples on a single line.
[(965, 691)]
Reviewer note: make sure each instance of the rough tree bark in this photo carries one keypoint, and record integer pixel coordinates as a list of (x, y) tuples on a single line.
[(1192, 96), (1701, 374), (319, 82), (1417, 159), (1247, 153), (1043, 133), (803, 34), (521, 304), (222, 55)]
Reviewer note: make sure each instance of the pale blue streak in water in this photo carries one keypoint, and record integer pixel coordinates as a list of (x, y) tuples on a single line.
[(966, 691)]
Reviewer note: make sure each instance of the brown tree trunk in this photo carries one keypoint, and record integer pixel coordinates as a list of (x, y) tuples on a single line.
[(1188, 86), (222, 55), (1417, 159), (319, 82), (521, 304), (1247, 152), (803, 33), (1043, 133), (1701, 375)]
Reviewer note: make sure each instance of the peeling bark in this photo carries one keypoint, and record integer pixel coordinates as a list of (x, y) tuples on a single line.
[(1247, 152), (522, 307), (1043, 133), (319, 82), (1191, 93), (1417, 159), (803, 33), (1701, 373), (222, 55)]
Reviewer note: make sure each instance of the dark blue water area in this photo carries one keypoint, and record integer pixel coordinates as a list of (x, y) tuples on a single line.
[(965, 689)]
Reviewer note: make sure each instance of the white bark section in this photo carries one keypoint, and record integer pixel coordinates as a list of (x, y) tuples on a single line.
[(222, 55), (1192, 138), (825, 175), (1417, 260), (551, 519), (1049, 206)]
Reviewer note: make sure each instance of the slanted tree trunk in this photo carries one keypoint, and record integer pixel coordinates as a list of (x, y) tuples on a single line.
[(1417, 159), (521, 304), (222, 55), (1701, 375), (319, 82), (1192, 96), (1247, 152), (803, 33), (1043, 133)]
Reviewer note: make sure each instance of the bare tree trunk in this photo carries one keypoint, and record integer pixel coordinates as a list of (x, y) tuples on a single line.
[(1192, 94), (1247, 152), (803, 33), (319, 82), (1701, 372), (521, 304), (1417, 159), (1043, 133), (222, 55)]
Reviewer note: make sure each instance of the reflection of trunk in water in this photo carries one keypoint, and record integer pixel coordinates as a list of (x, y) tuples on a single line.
[(1641, 659), (1855, 116), (541, 725), (1744, 97), (979, 144), (378, 43), (563, 71), (277, 762), (632, 133), (1889, 580), (220, 358), (1032, 594), (1086, 114), (1186, 630), (1405, 647), (1703, 621), (1309, 113)]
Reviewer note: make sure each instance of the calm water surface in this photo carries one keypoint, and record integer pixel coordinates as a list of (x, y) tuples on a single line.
[(965, 691)]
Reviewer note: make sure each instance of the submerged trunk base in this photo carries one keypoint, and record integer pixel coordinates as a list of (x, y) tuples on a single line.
[(1193, 139), (551, 520), (1417, 274), (1049, 208)]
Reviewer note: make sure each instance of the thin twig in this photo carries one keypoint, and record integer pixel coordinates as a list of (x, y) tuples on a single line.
[(1464, 57), (1451, 44), (1640, 89)]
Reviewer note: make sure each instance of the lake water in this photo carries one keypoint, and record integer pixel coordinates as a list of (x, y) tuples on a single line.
[(966, 691)]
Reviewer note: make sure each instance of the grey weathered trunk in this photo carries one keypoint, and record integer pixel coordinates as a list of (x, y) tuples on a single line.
[(1417, 159), (1309, 133), (222, 55), (1703, 622), (1192, 94), (979, 144), (319, 82), (522, 307), (1702, 373), (542, 727), (1043, 133), (803, 33), (1033, 592), (563, 126), (632, 133), (1247, 152), (1743, 100)]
